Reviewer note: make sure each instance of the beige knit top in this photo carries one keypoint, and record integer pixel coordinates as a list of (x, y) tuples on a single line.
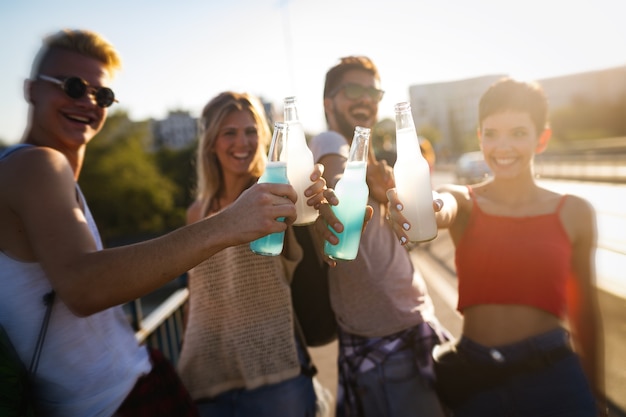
[(240, 331)]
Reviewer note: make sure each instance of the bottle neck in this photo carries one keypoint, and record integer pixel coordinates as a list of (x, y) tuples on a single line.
[(407, 143), (404, 120), (291, 113), (359, 147)]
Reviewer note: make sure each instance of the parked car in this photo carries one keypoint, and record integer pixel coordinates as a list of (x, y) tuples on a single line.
[(471, 168)]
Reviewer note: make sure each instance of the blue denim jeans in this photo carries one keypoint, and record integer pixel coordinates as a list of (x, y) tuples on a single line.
[(294, 397), (558, 390), (396, 388)]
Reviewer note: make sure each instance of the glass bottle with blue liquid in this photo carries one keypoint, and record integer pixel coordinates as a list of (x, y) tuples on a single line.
[(352, 192), (276, 173)]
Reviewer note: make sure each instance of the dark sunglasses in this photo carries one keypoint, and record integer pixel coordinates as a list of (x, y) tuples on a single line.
[(76, 87), (356, 91)]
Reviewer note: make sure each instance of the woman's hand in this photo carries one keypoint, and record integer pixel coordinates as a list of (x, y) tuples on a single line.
[(315, 192), (399, 223), (327, 220), (324, 222)]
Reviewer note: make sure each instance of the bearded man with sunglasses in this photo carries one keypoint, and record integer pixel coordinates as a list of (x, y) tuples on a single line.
[(90, 363), (386, 321)]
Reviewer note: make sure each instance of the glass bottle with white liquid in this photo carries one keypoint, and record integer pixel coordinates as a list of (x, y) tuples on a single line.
[(300, 165), (352, 192), (412, 175)]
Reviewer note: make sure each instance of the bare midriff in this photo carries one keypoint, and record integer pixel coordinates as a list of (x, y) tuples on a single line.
[(500, 324)]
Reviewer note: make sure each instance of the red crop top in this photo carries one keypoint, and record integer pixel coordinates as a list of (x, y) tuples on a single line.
[(514, 260)]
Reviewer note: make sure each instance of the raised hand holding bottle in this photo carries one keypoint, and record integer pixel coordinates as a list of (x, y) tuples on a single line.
[(275, 172), (412, 175), (352, 192)]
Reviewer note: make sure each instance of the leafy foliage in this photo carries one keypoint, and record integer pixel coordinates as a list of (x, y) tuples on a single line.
[(587, 119), (127, 193), (179, 167)]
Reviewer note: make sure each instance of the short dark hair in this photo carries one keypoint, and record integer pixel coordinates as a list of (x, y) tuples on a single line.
[(335, 74), (509, 94)]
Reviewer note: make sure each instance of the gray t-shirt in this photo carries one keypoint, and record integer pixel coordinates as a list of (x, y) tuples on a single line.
[(379, 293)]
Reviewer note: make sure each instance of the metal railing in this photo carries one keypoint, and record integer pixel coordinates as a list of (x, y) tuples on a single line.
[(163, 328), (586, 167)]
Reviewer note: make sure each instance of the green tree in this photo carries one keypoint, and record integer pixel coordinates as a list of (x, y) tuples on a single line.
[(430, 132), (585, 119), (179, 167), (127, 194)]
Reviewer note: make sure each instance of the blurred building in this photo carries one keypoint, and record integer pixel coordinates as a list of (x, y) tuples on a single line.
[(179, 130), (452, 107)]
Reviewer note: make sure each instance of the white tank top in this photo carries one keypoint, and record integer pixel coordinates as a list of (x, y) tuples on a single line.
[(88, 365)]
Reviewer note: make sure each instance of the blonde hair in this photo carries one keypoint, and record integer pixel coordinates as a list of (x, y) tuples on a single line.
[(84, 42), (208, 169)]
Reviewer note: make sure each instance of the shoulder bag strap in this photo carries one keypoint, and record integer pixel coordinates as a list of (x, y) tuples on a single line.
[(48, 300), (311, 370)]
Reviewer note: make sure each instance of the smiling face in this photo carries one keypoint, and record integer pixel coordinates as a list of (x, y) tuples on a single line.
[(237, 144), (58, 120), (345, 113), (509, 141)]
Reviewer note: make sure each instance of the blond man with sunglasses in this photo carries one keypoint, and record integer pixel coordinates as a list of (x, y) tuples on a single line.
[(90, 364), (387, 324)]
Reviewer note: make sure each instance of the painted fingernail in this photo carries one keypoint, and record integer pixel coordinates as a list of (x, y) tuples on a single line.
[(399, 207), (403, 240), (406, 226)]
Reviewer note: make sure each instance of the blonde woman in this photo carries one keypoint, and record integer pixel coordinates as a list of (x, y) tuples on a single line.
[(241, 355)]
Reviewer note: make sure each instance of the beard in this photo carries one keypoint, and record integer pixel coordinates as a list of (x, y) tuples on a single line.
[(345, 127)]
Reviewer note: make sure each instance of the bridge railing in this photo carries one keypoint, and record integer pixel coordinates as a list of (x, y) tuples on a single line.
[(163, 328), (583, 167)]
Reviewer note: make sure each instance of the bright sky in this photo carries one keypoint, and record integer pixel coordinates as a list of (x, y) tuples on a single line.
[(179, 54)]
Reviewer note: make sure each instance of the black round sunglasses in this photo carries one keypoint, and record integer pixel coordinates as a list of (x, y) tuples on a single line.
[(76, 87)]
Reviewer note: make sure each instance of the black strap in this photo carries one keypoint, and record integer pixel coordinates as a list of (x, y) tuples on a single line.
[(309, 370), (48, 300), (310, 292)]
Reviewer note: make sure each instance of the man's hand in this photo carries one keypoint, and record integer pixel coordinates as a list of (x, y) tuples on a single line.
[(257, 210), (379, 178)]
